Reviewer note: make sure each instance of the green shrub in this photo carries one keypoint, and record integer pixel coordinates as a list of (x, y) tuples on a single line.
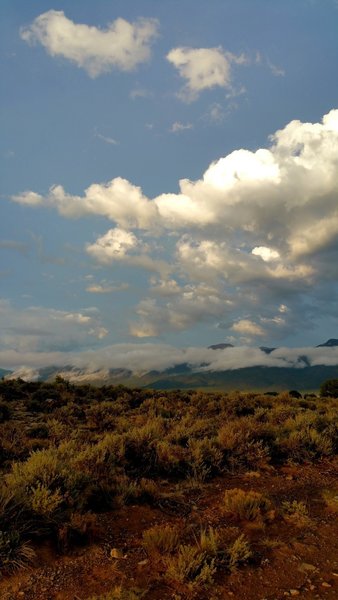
[(296, 513), (246, 505), (15, 549), (171, 459), (161, 539), (190, 566), (44, 501), (15, 553), (42, 467), (244, 443), (144, 491), (209, 542), (238, 553), (205, 458)]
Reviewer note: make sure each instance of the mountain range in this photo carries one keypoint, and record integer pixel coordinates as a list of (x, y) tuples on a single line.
[(301, 375)]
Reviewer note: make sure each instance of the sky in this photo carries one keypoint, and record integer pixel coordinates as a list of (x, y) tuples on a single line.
[(169, 178)]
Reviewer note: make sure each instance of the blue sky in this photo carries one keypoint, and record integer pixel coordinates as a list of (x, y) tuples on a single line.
[(146, 197)]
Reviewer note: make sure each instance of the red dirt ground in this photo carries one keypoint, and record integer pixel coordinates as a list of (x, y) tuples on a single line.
[(290, 559)]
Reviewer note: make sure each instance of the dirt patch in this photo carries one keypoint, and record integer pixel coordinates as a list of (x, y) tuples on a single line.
[(290, 557)]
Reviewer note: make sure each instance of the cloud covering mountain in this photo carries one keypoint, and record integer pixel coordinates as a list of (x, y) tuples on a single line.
[(145, 357)]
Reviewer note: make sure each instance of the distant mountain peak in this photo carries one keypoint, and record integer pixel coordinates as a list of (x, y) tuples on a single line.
[(219, 346), (330, 343), (266, 349)]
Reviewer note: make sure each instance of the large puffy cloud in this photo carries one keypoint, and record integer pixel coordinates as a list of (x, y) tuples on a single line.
[(202, 68), (122, 45), (256, 227), (269, 194)]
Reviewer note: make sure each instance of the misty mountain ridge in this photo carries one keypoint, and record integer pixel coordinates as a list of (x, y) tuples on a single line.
[(299, 370), (329, 344)]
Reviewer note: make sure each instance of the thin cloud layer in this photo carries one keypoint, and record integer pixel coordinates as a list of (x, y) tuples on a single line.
[(39, 329), (249, 236), (122, 45)]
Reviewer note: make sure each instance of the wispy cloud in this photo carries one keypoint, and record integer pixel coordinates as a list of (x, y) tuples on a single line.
[(106, 139), (140, 92), (178, 127), (277, 71), (14, 245), (105, 288), (216, 113)]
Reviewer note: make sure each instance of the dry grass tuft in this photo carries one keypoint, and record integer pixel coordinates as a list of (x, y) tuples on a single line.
[(246, 505)]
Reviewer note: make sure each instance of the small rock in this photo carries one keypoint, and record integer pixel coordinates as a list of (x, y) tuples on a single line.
[(294, 592), (326, 584), (143, 562), (305, 567), (312, 587), (335, 574), (116, 553)]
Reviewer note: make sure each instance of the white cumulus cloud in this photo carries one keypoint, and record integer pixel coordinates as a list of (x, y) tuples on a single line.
[(202, 68), (265, 253), (247, 327), (257, 227), (113, 245), (122, 45)]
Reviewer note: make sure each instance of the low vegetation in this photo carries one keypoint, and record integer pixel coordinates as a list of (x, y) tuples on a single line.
[(69, 454)]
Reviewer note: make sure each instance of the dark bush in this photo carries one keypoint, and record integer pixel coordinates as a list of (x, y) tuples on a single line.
[(38, 432), (5, 412), (329, 388)]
